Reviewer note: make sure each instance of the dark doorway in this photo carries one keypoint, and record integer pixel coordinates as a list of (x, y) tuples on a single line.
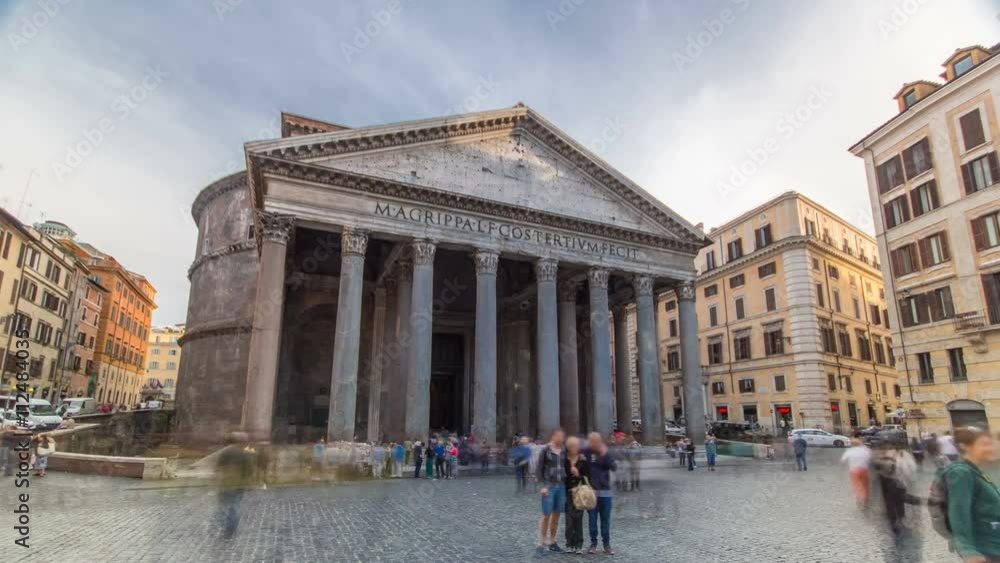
[(447, 370)]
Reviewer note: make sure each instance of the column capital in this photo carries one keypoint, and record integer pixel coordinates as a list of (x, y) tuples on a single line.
[(275, 227), (567, 291), (685, 291), (486, 261), (353, 242), (423, 252), (598, 277), (404, 271), (642, 285), (546, 270)]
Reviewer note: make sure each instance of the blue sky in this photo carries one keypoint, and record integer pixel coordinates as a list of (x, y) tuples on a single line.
[(693, 88)]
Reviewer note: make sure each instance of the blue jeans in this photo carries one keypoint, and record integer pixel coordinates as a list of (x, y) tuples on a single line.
[(229, 511), (690, 459), (711, 459), (603, 509), (800, 461), (555, 501)]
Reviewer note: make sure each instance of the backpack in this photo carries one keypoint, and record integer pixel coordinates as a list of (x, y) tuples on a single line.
[(937, 503), (584, 497)]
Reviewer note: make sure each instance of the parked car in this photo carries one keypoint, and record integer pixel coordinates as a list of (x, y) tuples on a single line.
[(43, 415), (817, 437), (10, 421), (78, 406)]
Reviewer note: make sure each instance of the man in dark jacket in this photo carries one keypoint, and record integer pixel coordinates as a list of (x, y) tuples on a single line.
[(601, 463), (235, 467), (418, 458)]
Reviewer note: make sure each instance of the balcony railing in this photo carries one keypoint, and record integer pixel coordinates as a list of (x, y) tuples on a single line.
[(976, 320)]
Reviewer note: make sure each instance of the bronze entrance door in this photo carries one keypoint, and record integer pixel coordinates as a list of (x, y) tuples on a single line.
[(447, 370)]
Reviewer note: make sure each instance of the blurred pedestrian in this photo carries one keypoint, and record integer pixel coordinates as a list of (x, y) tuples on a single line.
[(521, 456), (551, 475), (858, 459), (973, 501), (440, 457), (634, 457), (895, 468), (601, 463), (418, 458), (682, 451), (917, 449), (690, 455), (947, 445), (44, 447), (235, 468), (711, 449), (799, 446), (453, 461), (577, 473), (398, 458), (378, 461)]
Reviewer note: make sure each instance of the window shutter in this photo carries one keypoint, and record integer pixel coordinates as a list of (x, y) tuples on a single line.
[(932, 188), (934, 306), (925, 252), (949, 306), (915, 203), (945, 253), (994, 167), (979, 233), (906, 208), (897, 267), (20, 256), (991, 287), (922, 308), (967, 178), (890, 222), (972, 129)]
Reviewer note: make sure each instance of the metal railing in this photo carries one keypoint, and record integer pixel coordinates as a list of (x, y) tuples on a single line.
[(976, 320)]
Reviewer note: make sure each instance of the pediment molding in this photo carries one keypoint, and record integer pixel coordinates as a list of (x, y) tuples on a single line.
[(518, 120), (377, 186)]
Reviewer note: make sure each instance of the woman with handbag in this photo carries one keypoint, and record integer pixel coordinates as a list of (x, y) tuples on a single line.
[(577, 470)]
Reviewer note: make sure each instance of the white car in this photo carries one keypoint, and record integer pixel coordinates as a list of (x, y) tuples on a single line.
[(672, 427), (43, 415), (10, 421), (817, 437)]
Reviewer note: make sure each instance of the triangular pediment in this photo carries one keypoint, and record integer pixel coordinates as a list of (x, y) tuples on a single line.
[(512, 168), (512, 156)]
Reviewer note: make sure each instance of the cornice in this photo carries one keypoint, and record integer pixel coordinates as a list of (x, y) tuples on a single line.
[(232, 326), (420, 194), (519, 120), (781, 245), (243, 246), (215, 189)]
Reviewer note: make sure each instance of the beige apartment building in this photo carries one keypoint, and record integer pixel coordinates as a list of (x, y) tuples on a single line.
[(932, 173), (37, 286), (792, 323), (163, 363)]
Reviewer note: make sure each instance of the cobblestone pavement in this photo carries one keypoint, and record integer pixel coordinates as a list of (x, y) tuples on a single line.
[(753, 513)]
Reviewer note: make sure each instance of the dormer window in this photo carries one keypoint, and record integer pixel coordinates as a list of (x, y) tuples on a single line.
[(910, 98), (963, 65)]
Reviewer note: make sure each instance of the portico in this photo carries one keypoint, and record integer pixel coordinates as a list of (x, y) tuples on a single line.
[(433, 275)]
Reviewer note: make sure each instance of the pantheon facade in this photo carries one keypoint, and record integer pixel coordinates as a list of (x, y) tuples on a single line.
[(470, 273)]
